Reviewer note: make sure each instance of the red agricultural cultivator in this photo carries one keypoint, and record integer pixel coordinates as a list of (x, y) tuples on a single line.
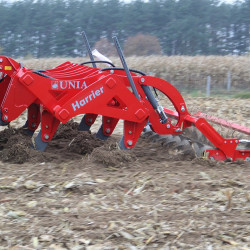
[(55, 96)]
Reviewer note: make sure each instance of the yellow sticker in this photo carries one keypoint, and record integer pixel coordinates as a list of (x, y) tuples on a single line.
[(7, 67)]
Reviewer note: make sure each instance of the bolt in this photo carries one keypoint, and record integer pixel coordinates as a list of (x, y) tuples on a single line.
[(168, 126), (6, 110), (5, 117), (231, 141), (142, 80), (46, 137), (182, 109), (111, 71), (130, 132), (108, 121), (90, 120), (217, 153), (47, 126), (33, 125), (236, 141), (243, 153), (225, 141), (107, 130), (130, 143), (1, 59)]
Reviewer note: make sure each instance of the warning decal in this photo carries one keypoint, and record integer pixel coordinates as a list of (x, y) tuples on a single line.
[(7, 67)]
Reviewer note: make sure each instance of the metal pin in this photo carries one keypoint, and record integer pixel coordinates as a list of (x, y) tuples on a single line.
[(46, 137)]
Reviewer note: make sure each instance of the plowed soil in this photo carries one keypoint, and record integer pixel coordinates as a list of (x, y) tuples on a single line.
[(83, 193)]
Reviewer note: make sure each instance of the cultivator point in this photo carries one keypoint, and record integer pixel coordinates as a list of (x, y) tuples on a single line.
[(57, 95)]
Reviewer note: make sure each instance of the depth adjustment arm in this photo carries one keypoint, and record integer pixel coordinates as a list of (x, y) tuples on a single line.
[(145, 88), (124, 64), (154, 103)]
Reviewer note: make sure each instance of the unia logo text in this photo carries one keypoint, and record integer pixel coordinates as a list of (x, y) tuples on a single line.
[(60, 85), (89, 98)]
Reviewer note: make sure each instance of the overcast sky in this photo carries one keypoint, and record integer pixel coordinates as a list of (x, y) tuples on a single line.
[(225, 1), (228, 1)]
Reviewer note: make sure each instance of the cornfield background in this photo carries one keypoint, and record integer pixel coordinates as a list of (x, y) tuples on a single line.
[(188, 74)]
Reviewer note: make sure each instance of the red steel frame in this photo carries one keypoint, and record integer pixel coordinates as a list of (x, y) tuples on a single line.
[(59, 94)]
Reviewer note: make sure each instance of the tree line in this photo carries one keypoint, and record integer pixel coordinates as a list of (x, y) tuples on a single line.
[(46, 28)]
